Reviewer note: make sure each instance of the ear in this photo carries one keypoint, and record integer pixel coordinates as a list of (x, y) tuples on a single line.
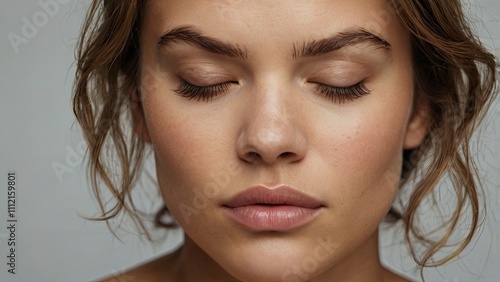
[(417, 126), (138, 120)]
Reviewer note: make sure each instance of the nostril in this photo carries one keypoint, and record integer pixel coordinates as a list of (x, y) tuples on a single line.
[(251, 156), (286, 155)]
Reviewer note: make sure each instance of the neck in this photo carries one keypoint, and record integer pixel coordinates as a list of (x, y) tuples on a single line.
[(196, 265)]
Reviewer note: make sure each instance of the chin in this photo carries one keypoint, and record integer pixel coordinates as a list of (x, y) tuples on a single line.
[(280, 260), (260, 269), (279, 271)]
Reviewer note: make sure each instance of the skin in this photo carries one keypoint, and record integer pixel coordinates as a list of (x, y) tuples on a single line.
[(271, 126)]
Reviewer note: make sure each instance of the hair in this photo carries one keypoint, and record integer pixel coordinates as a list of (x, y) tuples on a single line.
[(454, 75)]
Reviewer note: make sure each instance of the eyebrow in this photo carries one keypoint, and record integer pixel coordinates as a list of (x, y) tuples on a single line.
[(189, 34), (338, 41)]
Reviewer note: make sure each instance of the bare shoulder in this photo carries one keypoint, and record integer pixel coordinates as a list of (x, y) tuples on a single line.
[(160, 269)]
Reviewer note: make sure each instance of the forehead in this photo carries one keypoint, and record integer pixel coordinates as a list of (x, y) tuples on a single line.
[(254, 23)]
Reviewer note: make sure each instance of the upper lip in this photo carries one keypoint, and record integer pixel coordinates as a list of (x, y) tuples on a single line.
[(280, 195)]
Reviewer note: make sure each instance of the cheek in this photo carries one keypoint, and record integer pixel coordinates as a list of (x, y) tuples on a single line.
[(371, 140), (172, 165), (364, 158), (374, 146), (186, 161), (377, 161)]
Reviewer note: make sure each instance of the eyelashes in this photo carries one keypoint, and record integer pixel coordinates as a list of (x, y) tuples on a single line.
[(203, 93), (338, 95), (343, 94)]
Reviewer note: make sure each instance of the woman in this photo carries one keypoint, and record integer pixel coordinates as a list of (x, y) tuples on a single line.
[(282, 131)]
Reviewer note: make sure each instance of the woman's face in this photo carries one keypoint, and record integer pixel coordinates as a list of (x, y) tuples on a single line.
[(315, 95)]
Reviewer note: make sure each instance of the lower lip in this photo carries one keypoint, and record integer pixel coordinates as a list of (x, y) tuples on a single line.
[(271, 217)]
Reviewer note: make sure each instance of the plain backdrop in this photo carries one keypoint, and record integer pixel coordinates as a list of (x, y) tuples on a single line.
[(41, 144)]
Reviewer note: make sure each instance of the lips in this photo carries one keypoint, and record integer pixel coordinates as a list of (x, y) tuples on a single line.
[(272, 209)]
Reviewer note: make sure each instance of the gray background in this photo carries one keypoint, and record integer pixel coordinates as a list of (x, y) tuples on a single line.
[(37, 135)]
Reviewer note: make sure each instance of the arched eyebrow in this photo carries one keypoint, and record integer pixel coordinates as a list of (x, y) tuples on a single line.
[(190, 35), (338, 41)]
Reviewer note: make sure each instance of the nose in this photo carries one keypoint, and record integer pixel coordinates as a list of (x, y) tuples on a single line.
[(270, 133)]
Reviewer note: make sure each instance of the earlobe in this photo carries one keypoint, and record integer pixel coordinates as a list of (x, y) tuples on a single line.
[(417, 126), (138, 119)]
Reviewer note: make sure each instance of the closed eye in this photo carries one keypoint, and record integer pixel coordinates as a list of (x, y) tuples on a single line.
[(203, 93), (334, 93), (343, 94)]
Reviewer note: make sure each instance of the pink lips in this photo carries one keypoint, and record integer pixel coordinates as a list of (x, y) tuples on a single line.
[(272, 209)]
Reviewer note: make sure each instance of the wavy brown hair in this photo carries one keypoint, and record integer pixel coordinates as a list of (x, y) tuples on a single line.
[(455, 76)]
